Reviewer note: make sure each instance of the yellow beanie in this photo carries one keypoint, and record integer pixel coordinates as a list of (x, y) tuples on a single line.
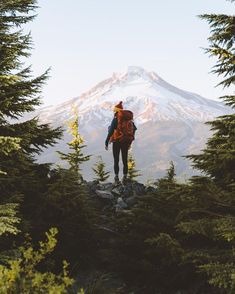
[(118, 107)]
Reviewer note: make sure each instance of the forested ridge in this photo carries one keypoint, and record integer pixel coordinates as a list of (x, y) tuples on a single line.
[(62, 234)]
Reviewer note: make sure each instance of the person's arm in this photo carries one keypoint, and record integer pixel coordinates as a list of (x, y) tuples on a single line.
[(112, 127)]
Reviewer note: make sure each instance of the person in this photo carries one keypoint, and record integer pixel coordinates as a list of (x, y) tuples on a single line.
[(118, 144)]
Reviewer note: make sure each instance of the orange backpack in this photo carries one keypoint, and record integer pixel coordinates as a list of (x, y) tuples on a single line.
[(125, 128)]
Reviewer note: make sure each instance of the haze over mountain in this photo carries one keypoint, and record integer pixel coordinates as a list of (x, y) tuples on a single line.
[(170, 121)]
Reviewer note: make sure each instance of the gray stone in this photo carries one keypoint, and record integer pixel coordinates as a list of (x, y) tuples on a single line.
[(107, 186), (128, 191), (150, 189), (131, 201), (116, 191), (127, 211), (93, 183), (138, 188), (100, 186), (118, 208), (121, 203), (104, 194)]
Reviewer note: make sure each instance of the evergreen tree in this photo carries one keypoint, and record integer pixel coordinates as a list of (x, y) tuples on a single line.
[(68, 206), (76, 157), (19, 94), (18, 90), (22, 179), (132, 171), (150, 256), (99, 169), (170, 176), (209, 220), (218, 158)]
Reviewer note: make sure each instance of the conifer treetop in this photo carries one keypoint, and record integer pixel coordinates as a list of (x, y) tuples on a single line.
[(19, 91)]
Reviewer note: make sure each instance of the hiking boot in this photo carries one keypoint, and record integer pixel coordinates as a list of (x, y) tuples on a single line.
[(124, 180), (116, 180)]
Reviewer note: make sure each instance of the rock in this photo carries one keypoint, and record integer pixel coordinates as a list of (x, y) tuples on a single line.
[(107, 186), (93, 185), (121, 203), (117, 191), (131, 201), (104, 194), (127, 190), (118, 208), (126, 211), (138, 188), (150, 189)]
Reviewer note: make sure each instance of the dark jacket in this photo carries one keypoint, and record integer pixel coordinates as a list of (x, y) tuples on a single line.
[(111, 129)]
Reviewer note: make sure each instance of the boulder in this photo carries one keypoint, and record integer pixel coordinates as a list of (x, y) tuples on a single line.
[(92, 185), (121, 203), (117, 191), (127, 190), (150, 189), (107, 186), (131, 201), (104, 194), (138, 188)]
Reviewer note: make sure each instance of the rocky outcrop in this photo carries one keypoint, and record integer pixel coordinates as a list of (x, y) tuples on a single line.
[(118, 198)]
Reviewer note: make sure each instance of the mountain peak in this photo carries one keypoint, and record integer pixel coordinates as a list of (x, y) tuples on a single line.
[(135, 70)]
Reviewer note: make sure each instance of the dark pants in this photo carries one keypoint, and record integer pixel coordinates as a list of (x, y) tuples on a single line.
[(123, 147)]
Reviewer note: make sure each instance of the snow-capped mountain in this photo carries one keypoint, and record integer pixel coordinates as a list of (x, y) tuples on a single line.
[(170, 121)]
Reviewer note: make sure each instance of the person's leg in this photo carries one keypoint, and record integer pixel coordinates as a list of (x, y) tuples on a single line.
[(116, 153), (124, 150)]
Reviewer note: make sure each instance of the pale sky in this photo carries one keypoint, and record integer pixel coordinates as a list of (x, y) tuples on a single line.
[(85, 41)]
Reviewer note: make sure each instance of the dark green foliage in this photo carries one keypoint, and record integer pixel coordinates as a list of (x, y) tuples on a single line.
[(222, 45), (67, 206), (8, 211), (18, 90), (46, 197), (22, 180), (99, 170), (151, 255), (19, 94), (218, 158), (209, 220)]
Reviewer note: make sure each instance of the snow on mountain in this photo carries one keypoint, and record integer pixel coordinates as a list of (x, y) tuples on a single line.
[(150, 97), (160, 110)]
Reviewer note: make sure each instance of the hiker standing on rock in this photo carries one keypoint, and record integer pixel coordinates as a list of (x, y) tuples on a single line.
[(121, 133)]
